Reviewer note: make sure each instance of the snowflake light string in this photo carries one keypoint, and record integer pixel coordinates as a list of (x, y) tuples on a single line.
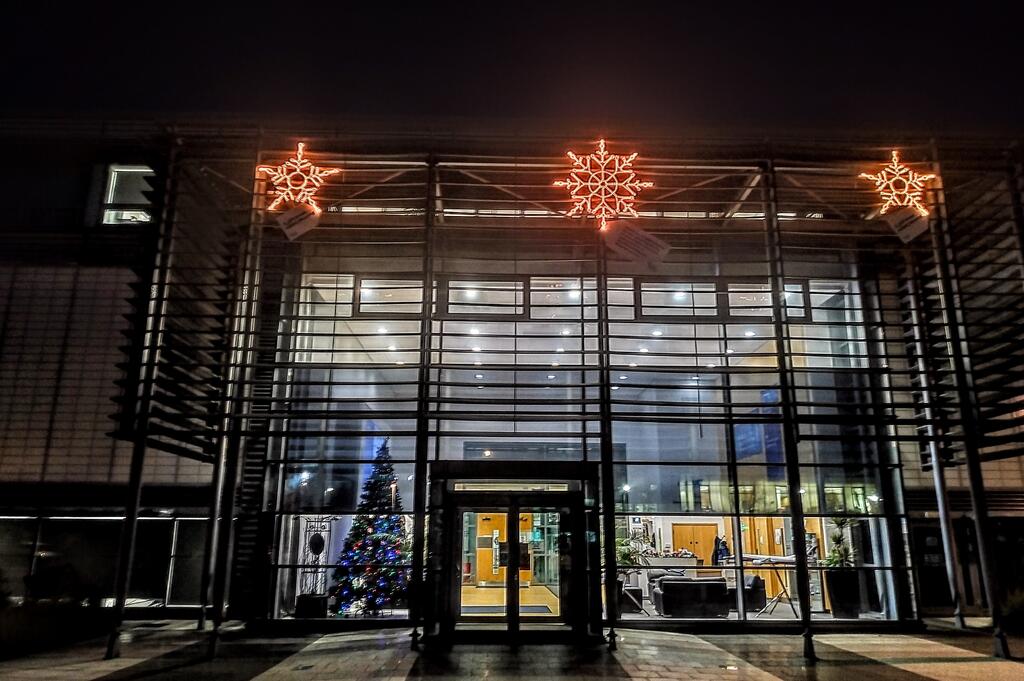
[(603, 185), (899, 186), (297, 180)]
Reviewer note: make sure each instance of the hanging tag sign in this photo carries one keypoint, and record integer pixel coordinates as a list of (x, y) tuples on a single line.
[(907, 224), (297, 221), (634, 243)]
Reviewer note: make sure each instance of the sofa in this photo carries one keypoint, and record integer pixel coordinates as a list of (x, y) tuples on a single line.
[(682, 596)]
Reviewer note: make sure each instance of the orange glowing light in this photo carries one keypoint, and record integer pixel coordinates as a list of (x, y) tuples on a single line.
[(297, 180), (899, 186), (603, 185)]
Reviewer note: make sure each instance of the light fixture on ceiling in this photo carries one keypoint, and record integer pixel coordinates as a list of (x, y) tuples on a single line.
[(657, 332), (382, 329), (749, 334)]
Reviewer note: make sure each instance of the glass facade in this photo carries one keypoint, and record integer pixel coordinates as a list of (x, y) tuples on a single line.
[(750, 363)]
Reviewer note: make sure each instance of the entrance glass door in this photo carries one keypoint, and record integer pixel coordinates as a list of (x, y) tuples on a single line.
[(515, 563)]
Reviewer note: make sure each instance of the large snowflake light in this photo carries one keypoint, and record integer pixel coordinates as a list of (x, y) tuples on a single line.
[(297, 180), (899, 186), (603, 185)]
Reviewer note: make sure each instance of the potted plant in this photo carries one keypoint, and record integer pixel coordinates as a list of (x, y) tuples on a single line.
[(630, 552), (841, 582)]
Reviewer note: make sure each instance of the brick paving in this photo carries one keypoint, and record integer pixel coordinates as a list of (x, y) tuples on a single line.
[(172, 651)]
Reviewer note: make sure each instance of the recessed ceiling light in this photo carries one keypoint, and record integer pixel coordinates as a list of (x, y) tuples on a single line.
[(476, 348), (476, 364), (479, 387), (575, 293), (696, 378), (566, 332), (471, 293), (615, 387), (656, 332), (487, 452), (391, 348), (643, 349), (679, 295), (749, 334), (626, 488), (560, 350), (382, 329), (632, 365), (554, 364), (551, 375), (623, 377), (729, 351), (399, 362), (479, 376), (475, 331), (711, 366)]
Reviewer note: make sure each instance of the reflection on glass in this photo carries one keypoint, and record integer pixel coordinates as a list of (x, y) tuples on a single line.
[(484, 564)]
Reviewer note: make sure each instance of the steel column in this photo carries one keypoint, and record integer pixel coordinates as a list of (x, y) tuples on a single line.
[(938, 472), (611, 595), (773, 247), (419, 501), (150, 354)]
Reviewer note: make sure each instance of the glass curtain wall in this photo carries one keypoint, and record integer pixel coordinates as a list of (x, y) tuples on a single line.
[(693, 358)]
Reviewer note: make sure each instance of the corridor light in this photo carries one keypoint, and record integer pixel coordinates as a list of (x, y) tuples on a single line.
[(566, 332), (656, 332), (623, 377), (382, 329), (560, 350), (551, 375), (477, 363), (391, 348), (632, 365), (476, 348), (643, 349), (479, 376), (615, 387), (626, 488), (474, 331), (487, 452), (554, 364), (574, 294), (471, 293), (749, 334), (729, 351)]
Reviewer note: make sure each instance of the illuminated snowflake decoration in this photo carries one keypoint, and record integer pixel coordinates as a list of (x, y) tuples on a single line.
[(603, 185), (899, 186), (297, 180)]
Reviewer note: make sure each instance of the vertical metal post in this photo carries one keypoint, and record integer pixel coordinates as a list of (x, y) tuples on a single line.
[(416, 595), (938, 472), (152, 340), (773, 247), (960, 351), (611, 594), (172, 561), (210, 541)]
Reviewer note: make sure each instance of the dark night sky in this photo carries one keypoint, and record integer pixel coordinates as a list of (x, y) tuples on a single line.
[(905, 67)]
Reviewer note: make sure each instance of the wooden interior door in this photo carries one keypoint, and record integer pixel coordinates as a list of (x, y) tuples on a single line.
[(696, 537)]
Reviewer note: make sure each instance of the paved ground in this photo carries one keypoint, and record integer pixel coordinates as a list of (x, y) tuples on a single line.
[(172, 652)]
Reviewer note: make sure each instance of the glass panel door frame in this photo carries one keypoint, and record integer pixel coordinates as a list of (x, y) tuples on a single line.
[(568, 505)]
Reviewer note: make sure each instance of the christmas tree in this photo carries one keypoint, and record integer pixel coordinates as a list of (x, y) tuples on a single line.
[(371, 577)]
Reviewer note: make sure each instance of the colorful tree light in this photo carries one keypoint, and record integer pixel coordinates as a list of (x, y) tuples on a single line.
[(603, 185), (297, 180), (899, 186)]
